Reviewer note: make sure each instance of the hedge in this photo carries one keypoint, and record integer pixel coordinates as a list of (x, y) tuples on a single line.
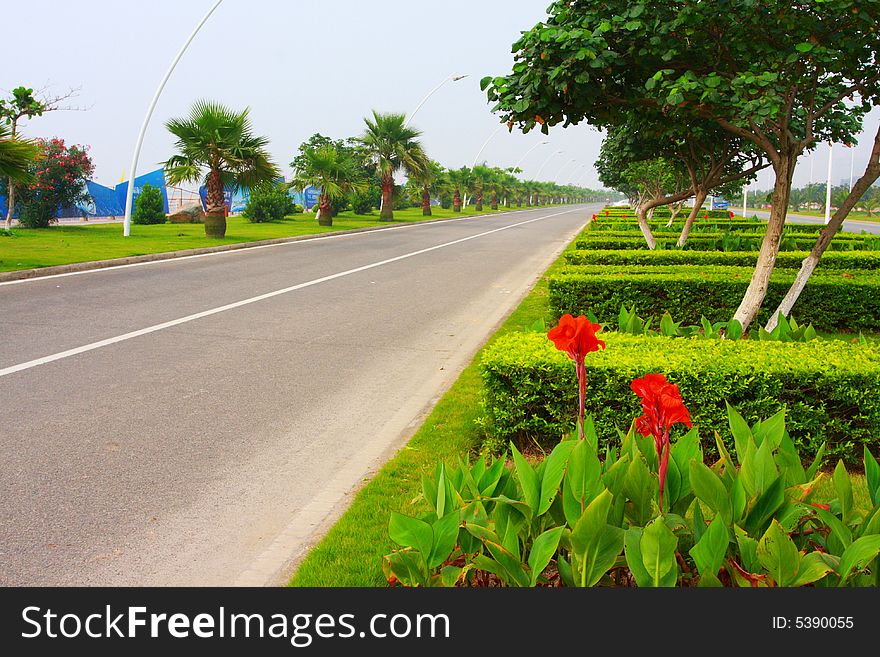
[(837, 260), (714, 242), (662, 211), (831, 301), (831, 389), (673, 234), (704, 225)]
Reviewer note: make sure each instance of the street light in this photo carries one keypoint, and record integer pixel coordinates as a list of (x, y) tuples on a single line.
[(828, 189), (564, 167), (451, 78), (129, 201), (546, 162), (529, 152), (467, 197)]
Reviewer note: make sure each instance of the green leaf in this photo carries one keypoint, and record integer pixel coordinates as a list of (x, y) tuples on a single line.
[(758, 470), (840, 537), (742, 435), (734, 330), (542, 551), (512, 566), (441, 492), (710, 550), (633, 551), (528, 480), (554, 469), (445, 532), (489, 480), (766, 506), (639, 489), (813, 568), (408, 567), (771, 430), (844, 490), (748, 549), (582, 481), (779, 555), (412, 533), (711, 491), (857, 556), (872, 475), (596, 544), (658, 545), (817, 463), (804, 47)]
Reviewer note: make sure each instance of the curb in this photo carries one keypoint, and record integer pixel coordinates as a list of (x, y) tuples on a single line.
[(25, 274)]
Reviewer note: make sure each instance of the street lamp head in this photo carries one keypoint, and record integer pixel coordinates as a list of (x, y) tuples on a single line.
[(456, 78)]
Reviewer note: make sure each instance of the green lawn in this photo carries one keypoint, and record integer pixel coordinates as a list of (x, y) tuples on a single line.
[(62, 245)]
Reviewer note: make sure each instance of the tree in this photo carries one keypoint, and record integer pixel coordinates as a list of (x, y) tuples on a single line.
[(797, 199), (57, 180), (481, 176), (774, 73), (149, 209), (25, 104), (336, 173), (871, 201), (16, 156), (269, 202), (458, 182), (392, 146), (217, 145), (430, 179)]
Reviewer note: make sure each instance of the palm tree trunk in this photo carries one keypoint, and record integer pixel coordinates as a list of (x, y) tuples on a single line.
[(494, 205), (426, 201), (387, 213), (478, 206), (325, 210), (215, 217), (456, 201)]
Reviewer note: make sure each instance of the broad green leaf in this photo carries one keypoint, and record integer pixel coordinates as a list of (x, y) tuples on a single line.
[(742, 435), (441, 492), (709, 489), (582, 481), (483, 562), (512, 566), (765, 507), (789, 461), (407, 567), (450, 576), (595, 543), (817, 463), (590, 435), (779, 555), (554, 469), (591, 524), (699, 522), (528, 480), (748, 549), (542, 551), (734, 330), (771, 430), (813, 568), (633, 550), (758, 470), (710, 550), (445, 532), (639, 489), (858, 555), (844, 490), (840, 537), (658, 545), (491, 477), (412, 533), (872, 475)]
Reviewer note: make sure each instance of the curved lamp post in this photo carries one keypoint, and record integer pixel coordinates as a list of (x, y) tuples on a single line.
[(529, 152), (546, 162), (129, 201), (467, 197), (451, 78)]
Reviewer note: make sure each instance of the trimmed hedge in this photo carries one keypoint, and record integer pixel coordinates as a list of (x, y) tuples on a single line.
[(662, 211), (831, 389), (837, 260), (706, 225), (714, 242), (830, 301)]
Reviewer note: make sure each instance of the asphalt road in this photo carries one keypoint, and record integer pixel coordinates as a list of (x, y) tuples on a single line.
[(854, 226), (193, 422)]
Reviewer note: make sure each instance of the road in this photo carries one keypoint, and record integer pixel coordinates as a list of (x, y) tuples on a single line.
[(854, 226), (194, 422)]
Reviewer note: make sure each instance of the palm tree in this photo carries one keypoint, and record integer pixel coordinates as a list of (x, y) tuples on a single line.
[(336, 173), (431, 179), (16, 155), (871, 201), (458, 181), (481, 178), (392, 146), (216, 145)]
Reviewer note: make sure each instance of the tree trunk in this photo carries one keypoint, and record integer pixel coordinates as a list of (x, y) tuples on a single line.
[(10, 192), (478, 206), (387, 213), (754, 297), (699, 199), (872, 173), (325, 210), (215, 217), (642, 216), (494, 205), (426, 201), (456, 201)]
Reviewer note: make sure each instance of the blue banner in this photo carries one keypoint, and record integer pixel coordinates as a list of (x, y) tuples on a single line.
[(155, 178)]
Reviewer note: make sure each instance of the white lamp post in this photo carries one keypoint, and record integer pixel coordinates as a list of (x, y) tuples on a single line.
[(467, 197), (529, 152), (129, 201), (546, 162), (828, 188), (451, 78)]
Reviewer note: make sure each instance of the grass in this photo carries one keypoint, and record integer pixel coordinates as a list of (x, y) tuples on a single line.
[(24, 248), (351, 553)]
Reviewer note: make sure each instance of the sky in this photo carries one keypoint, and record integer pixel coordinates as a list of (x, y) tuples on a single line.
[(302, 66)]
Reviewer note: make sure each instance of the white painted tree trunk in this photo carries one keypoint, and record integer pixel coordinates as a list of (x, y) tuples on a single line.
[(689, 224)]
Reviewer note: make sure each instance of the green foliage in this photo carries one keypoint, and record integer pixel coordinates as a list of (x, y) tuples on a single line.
[(583, 518), (269, 203), (831, 390), (149, 209), (831, 300), (836, 260), (17, 156)]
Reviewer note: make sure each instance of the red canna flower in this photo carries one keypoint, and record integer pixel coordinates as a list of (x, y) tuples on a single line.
[(662, 407), (577, 338)]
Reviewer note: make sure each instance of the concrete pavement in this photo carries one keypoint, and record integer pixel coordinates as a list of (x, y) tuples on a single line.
[(192, 422)]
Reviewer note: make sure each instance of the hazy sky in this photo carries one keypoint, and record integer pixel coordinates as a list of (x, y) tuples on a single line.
[(303, 66)]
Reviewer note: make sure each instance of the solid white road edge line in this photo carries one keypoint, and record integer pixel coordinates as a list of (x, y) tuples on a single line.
[(246, 302), (318, 238)]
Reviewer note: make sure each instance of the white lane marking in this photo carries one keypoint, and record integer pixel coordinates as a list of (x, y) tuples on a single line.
[(166, 261), (246, 302)]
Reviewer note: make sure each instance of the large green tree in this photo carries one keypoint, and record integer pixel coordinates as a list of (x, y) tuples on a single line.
[(217, 145), (458, 183), (335, 172), (775, 73), (393, 146), (431, 180)]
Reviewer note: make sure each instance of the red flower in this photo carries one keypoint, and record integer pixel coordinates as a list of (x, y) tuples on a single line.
[(662, 407), (577, 338), (706, 216)]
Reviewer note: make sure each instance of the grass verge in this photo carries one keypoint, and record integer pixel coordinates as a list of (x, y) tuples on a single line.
[(23, 248)]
